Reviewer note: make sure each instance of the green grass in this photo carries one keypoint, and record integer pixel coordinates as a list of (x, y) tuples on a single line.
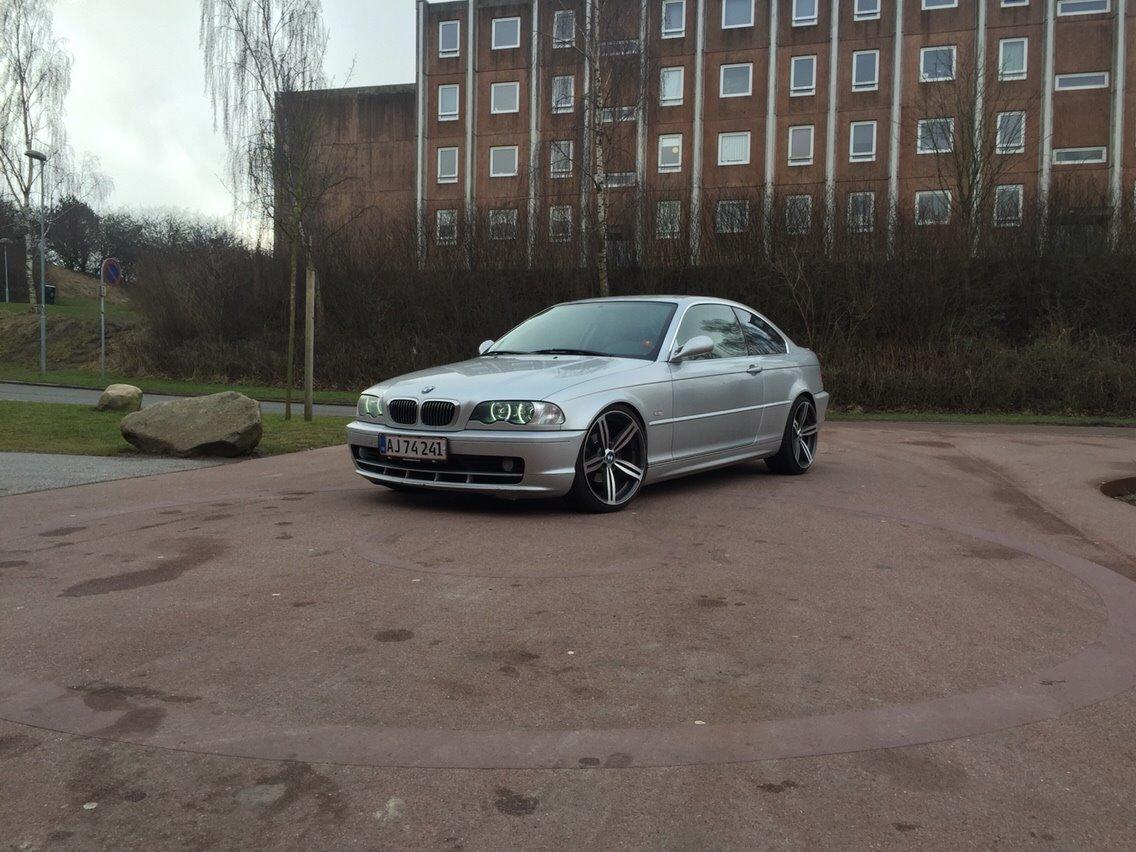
[(994, 418), (11, 372), (74, 307), (44, 427)]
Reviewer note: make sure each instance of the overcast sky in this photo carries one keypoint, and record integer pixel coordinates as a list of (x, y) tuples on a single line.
[(138, 97)]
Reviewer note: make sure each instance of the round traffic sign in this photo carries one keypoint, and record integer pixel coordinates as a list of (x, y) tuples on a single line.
[(112, 271)]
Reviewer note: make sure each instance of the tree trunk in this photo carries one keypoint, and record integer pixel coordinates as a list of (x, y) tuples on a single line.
[(289, 377), (601, 218), (29, 256), (309, 336)]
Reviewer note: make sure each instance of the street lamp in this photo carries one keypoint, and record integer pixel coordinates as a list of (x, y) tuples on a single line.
[(4, 241), (36, 155)]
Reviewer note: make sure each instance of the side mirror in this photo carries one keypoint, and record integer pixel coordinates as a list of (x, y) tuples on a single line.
[(699, 345), (484, 347)]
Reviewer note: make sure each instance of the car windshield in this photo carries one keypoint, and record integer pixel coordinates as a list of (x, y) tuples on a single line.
[(619, 329)]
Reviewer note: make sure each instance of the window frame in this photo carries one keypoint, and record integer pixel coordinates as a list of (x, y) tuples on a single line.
[(1019, 191), (789, 226), (558, 41), (513, 223), (447, 179), (552, 237), (953, 48), (1106, 10), (1059, 88), (871, 218), (718, 206), (748, 147), (936, 5), (516, 161), (1009, 4), (862, 158), (946, 193), (664, 32), (681, 69), (802, 93), (670, 204), (456, 114), (726, 26), (875, 84), (803, 21), (1094, 162), (558, 145), (857, 15), (919, 135), (669, 170), (502, 86), (493, 45), (456, 52), (438, 214), (722, 79), (571, 106), (1017, 75), (801, 163), (1018, 148)]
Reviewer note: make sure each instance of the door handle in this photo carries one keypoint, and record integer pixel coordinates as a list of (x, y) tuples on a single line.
[(754, 369)]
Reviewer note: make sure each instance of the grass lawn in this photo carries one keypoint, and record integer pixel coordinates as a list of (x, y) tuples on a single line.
[(44, 427), (75, 307), (991, 418), (91, 379)]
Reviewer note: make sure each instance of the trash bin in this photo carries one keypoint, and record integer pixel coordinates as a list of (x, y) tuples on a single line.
[(49, 294)]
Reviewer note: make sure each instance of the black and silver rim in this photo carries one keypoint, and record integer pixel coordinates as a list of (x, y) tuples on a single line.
[(805, 431), (615, 457)]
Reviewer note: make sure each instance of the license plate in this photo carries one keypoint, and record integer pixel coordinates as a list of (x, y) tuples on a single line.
[(410, 447)]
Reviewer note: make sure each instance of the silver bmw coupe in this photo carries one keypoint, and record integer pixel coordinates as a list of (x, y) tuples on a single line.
[(595, 399)]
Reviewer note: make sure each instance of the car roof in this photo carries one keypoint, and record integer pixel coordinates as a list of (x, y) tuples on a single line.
[(678, 300)]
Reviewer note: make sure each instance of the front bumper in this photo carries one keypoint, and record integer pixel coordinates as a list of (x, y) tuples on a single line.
[(548, 460)]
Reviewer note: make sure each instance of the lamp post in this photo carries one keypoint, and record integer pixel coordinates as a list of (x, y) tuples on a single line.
[(4, 241), (36, 155)]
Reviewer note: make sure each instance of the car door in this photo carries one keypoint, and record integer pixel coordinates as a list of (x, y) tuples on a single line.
[(717, 396), (770, 352)]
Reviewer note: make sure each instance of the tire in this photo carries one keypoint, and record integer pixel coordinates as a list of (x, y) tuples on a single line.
[(799, 443), (612, 461)]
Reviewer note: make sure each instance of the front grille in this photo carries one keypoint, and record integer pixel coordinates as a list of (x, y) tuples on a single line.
[(403, 411), (436, 412), (473, 470)]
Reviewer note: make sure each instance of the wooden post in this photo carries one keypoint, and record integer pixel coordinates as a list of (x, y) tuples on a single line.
[(309, 338)]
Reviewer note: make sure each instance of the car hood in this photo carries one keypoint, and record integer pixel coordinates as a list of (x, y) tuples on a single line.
[(534, 377)]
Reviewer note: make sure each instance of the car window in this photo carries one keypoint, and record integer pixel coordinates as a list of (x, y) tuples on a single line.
[(762, 338), (631, 329), (719, 324)]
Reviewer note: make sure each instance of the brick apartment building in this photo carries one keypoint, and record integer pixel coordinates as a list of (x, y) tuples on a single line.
[(738, 118)]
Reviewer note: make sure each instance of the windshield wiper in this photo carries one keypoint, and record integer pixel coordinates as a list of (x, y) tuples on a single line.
[(566, 352), (502, 352)]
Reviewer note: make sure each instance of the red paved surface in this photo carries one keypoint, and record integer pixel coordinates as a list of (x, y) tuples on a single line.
[(278, 653)]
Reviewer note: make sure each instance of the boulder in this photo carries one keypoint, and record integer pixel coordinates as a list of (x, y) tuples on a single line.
[(120, 398), (221, 424)]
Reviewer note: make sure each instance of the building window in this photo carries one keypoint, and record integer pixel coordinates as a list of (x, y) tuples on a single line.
[(562, 158), (861, 212), (801, 145), (503, 161), (935, 136), (804, 13), (865, 70), (1086, 80), (736, 81), (1008, 206), (933, 207), (619, 180), (448, 97), (502, 224), (670, 86), (798, 214), (802, 76), (731, 217), (615, 115), (506, 33), (560, 223), (737, 13), (667, 215), (733, 149), (564, 28), (1015, 2), (1074, 156), (866, 10), (670, 152), (563, 94), (937, 64), (862, 142), (1082, 7), (449, 39), (1011, 132), (939, 4), (446, 228), (674, 18), (1012, 58), (447, 165), (504, 98)]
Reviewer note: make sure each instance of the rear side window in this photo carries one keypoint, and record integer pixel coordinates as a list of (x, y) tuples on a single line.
[(719, 324), (760, 336)]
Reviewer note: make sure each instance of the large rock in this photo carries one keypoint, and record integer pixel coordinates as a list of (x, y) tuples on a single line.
[(221, 424), (120, 398)]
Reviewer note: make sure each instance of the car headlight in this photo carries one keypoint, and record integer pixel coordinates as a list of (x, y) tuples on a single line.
[(518, 413), (370, 406)]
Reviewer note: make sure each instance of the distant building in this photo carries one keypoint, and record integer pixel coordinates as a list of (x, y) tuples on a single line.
[(742, 117)]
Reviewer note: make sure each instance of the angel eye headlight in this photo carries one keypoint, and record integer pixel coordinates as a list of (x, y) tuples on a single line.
[(370, 406), (518, 413)]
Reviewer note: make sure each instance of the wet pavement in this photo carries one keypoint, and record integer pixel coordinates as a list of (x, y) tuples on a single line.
[(928, 640)]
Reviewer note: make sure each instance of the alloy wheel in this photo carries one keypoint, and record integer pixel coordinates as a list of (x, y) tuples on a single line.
[(805, 431), (614, 457)]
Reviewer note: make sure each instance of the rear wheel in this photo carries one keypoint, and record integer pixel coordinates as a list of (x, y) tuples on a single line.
[(799, 443), (612, 462)]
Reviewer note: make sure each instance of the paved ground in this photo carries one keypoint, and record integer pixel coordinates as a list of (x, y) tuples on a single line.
[(926, 641), (83, 396), (23, 472)]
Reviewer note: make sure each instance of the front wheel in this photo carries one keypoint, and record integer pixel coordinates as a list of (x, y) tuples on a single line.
[(612, 462), (799, 443)]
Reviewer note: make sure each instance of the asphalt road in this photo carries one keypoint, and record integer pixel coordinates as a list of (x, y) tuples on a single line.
[(926, 641), (83, 396), (24, 472)]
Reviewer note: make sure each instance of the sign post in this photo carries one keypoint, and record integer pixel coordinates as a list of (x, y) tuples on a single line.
[(109, 273)]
